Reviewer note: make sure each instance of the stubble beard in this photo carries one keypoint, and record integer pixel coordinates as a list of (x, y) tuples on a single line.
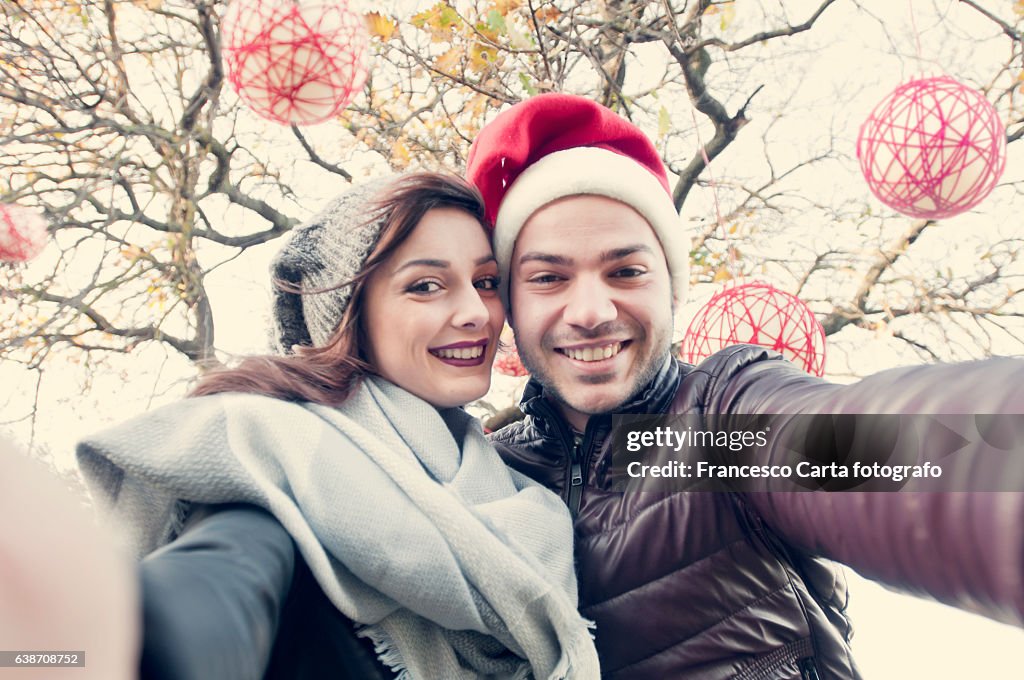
[(646, 373)]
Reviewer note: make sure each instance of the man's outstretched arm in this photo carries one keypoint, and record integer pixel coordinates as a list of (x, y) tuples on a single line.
[(963, 547)]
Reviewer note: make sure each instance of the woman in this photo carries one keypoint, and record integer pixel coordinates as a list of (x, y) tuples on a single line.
[(450, 563)]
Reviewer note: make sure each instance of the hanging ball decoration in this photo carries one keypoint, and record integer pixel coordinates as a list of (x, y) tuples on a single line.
[(295, 61), (22, 233), (934, 148), (507, 361), (757, 313)]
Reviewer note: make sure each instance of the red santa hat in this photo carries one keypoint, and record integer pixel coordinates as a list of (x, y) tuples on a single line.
[(557, 145)]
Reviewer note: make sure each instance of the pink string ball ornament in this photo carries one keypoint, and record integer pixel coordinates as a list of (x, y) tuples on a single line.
[(507, 361), (295, 61), (23, 233), (934, 148), (756, 313)]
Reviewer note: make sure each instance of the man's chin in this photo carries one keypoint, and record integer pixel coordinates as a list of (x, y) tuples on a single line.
[(597, 404)]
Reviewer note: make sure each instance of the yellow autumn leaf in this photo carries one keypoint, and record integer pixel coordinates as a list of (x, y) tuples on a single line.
[(380, 26), (477, 106), (400, 155), (441, 20), (506, 6), (722, 274), (728, 14), (1018, 8), (482, 56), (421, 19), (447, 62), (132, 252), (547, 14), (487, 32)]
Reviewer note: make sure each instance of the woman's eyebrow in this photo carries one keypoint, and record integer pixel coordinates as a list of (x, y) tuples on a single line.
[(439, 264)]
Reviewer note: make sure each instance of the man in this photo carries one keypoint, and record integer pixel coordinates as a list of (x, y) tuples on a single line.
[(703, 585)]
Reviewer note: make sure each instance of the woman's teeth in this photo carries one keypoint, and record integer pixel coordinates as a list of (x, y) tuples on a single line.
[(460, 353), (594, 353)]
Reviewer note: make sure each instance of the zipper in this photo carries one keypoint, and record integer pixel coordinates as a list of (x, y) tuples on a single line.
[(574, 442), (808, 669), (576, 476)]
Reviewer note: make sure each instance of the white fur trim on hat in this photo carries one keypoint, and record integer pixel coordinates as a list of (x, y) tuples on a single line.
[(592, 171)]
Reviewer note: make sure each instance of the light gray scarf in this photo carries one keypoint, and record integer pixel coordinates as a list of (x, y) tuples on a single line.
[(457, 566)]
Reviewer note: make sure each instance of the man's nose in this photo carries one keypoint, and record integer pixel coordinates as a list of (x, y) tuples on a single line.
[(590, 304)]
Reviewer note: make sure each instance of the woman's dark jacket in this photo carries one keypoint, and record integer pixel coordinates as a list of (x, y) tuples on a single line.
[(232, 599), (686, 585)]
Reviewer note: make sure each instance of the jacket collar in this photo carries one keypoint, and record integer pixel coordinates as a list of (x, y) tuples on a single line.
[(655, 397)]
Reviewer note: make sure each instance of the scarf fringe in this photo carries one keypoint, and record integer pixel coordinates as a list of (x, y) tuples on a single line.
[(580, 648), (386, 650), (176, 522)]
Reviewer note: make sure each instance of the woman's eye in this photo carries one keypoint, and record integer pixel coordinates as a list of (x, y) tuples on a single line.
[(487, 283), (424, 287)]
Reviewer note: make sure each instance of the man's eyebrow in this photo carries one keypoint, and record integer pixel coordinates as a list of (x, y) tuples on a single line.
[(621, 253), (549, 258), (607, 256)]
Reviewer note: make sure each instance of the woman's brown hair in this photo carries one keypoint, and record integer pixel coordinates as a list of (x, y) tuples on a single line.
[(328, 374)]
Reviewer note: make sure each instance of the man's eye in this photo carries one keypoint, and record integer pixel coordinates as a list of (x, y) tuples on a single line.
[(544, 278), (487, 283), (424, 287), (630, 272)]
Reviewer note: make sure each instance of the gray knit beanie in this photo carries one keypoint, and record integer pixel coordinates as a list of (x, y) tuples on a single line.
[(328, 250)]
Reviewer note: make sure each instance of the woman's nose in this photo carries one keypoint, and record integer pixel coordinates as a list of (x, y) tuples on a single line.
[(470, 310)]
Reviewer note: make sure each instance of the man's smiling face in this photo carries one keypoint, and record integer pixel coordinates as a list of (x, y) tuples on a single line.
[(591, 303)]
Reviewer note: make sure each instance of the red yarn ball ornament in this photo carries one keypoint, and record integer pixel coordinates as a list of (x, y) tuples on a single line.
[(507, 361), (933, 148), (757, 313), (295, 61), (22, 233)]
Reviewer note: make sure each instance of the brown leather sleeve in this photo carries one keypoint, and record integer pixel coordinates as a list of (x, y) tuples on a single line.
[(963, 548)]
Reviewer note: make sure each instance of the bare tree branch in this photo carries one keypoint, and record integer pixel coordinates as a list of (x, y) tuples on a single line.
[(315, 157)]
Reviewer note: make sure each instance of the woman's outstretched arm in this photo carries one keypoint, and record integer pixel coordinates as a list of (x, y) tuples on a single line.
[(212, 599)]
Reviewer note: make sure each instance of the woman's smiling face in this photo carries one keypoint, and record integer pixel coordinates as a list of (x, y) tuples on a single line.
[(432, 314)]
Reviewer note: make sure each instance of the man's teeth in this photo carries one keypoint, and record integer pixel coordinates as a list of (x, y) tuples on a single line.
[(594, 353), (461, 353)]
